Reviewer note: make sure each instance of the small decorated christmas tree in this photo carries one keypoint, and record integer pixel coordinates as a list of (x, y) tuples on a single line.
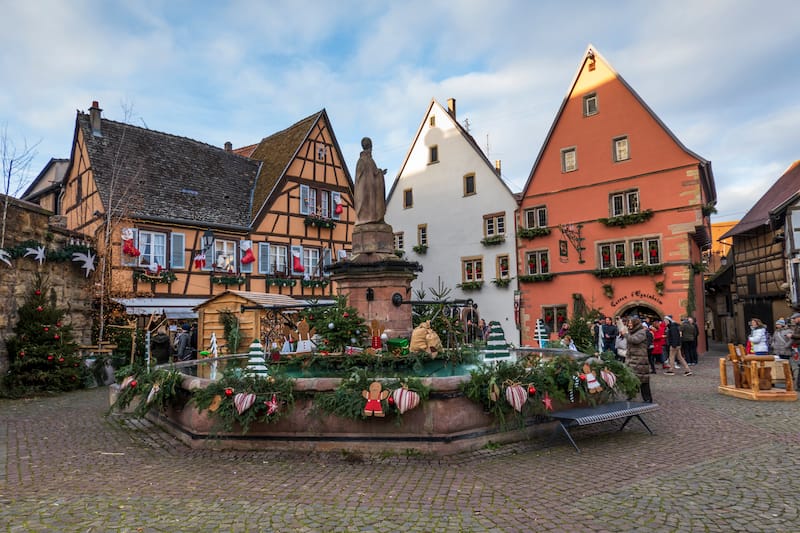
[(496, 345), (43, 355), (339, 325)]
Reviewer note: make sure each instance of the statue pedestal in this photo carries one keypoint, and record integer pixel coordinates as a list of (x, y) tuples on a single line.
[(369, 287), (376, 240)]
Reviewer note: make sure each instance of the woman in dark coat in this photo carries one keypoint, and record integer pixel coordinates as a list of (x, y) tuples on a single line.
[(637, 356)]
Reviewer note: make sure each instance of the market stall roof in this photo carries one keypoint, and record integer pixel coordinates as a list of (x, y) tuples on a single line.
[(177, 308), (269, 300)]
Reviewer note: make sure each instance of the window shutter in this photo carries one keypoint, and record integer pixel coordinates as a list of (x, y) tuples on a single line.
[(129, 260), (327, 259), (304, 190), (324, 201), (296, 260), (177, 251), (263, 258), (336, 199), (244, 247)]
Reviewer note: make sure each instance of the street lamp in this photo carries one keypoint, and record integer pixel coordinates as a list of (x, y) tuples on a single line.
[(208, 240)]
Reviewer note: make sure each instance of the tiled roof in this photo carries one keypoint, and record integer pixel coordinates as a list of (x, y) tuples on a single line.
[(245, 151), (776, 197), (162, 176), (276, 152)]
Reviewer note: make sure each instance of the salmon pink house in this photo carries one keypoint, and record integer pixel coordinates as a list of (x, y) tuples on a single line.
[(615, 213)]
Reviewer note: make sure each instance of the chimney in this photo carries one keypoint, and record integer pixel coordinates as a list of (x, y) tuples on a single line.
[(94, 119), (451, 107), (228, 146), (497, 166)]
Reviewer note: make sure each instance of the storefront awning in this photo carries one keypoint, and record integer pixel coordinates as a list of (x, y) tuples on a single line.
[(176, 308)]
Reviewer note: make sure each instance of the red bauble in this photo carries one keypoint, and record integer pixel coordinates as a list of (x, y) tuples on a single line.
[(39, 308), (345, 314), (58, 324), (583, 377), (531, 390), (390, 400), (228, 391), (60, 359), (37, 292), (133, 383), (50, 357), (56, 336), (46, 328)]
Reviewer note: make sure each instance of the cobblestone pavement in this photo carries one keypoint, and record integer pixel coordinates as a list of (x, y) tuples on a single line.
[(715, 463)]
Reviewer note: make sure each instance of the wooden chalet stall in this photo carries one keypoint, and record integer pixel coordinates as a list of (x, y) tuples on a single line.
[(259, 316)]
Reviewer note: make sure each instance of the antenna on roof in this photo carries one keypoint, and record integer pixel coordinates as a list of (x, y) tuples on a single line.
[(466, 124), (487, 145)]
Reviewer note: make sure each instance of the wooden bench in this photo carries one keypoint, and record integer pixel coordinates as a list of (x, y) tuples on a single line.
[(584, 416)]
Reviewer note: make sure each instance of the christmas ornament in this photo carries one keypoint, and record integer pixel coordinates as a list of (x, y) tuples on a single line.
[(531, 389), (87, 259), (153, 391), (609, 377), (61, 360), (591, 380), (374, 396), (46, 328), (338, 209), (243, 401), (331, 325), (548, 403), (248, 256), (133, 383), (405, 399), (50, 357), (494, 391), (127, 243), (346, 314), (56, 336), (215, 403), (297, 264), (39, 308), (5, 256), (37, 292), (390, 400), (516, 395), (272, 405), (228, 391), (37, 253), (200, 261)]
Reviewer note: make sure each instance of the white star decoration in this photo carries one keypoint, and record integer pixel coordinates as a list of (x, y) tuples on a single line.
[(37, 253), (88, 261), (4, 257)]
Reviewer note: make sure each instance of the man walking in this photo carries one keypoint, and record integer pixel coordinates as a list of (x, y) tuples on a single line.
[(674, 343)]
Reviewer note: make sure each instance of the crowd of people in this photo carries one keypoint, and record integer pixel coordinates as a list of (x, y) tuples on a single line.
[(174, 343)]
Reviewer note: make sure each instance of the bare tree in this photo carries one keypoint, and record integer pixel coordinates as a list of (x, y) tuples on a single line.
[(16, 163)]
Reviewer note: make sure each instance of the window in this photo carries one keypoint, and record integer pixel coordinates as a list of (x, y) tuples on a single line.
[(432, 121), (621, 149), (636, 252), (590, 105), (624, 203), (278, 257), (433, 154), (503, 271), (324, 201), (538, 262), (263, 258), (554, 316), (322, 151), (399, 241), (297, 267), (246, 257), (177, 248), (422, 234), (469, 184), (320, 202), (472, 269), (311, 261), (494, 224), (536, 217), (569, 160), (224, 255), (153, 249), (336, 205), (408, 198)]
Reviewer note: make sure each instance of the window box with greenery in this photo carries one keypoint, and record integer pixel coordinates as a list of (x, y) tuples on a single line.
[(533, 278), (165, 276), (228, 280), (629, 219), (532, 233), (635, 270), (421, 249), (322, 283), (319, 222), (281, 282), (502, 282), (470, 285), (493, 240)]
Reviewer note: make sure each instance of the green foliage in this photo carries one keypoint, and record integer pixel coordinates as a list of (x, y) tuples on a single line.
[(235, 381), (532, 233), (470, 285), (349, 328), (231, 331), (493, 240), (43, 357), (348, 401), (444, 318), (421, 249), (629, 219), (557, 378), (533, 278), (634, 270), (167, 385)]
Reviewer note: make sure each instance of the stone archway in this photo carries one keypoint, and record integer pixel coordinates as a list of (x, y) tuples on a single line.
[(644, 311)]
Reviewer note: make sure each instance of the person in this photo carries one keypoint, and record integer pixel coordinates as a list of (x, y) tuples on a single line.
[(637, 356), (569, 343), (795, 360), (782, 340), (609, 333), (483, 329), (183, 348), (193, 339), (370, 193), (758, 337), (674, 343), (563, 330), (688, 340), (596, 337), (621, 345), (470, 318), (159, 346), (657, 355)]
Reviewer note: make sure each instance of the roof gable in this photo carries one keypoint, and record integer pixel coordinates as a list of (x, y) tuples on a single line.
[(776, 198), (161, 176)]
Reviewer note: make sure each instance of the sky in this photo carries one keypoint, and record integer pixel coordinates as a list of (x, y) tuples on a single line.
[(721, 74)]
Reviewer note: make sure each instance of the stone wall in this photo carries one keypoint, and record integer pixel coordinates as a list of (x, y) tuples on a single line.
[(28, 222)]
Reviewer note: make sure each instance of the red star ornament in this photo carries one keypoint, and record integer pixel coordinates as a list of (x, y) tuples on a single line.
[(548, 403), (272, 405)]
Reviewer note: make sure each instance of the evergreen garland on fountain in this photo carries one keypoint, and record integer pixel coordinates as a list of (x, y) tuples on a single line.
[(338, 326), (43, 355)]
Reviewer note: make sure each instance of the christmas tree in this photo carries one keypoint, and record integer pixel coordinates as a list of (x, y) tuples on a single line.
[(338, 325), (43, 355)]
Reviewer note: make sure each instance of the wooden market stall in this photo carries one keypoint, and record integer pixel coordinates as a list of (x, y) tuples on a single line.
[(755, 376), (257, 315)]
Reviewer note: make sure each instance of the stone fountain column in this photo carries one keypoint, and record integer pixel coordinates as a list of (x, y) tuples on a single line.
[(373, 274)]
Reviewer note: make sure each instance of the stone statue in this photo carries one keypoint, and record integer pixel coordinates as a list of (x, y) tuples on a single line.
[(370, 193)]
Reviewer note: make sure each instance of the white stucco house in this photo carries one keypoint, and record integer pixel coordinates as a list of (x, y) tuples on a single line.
[(451, 211)]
